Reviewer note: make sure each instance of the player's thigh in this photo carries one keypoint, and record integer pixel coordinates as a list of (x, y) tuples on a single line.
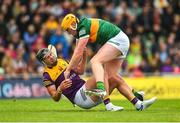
[(112, 67), (106, 53), (85, 101), (121, 42)]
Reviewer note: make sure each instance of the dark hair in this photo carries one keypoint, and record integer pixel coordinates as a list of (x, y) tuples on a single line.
[(41, 53)]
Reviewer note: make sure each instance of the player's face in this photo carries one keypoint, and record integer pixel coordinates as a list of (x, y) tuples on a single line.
[(50, 59), (72, 32)]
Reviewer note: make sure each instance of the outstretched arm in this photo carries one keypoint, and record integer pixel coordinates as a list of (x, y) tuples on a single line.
[(55, 94), (77, 55), (82, 64)]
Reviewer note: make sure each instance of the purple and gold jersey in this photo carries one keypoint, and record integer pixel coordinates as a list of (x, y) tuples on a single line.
[(55, 75)]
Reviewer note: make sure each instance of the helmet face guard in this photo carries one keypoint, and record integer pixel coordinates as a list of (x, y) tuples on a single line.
[(47, 56), (42, 53), (68, 20)]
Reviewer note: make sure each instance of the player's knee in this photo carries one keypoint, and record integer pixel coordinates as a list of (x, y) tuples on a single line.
[(113, 77), (117, 79), (112, 81), (94, 61)]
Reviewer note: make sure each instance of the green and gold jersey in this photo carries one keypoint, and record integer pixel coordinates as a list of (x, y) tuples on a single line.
[(99, 31)]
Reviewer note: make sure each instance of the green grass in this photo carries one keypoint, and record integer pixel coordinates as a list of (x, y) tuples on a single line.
[(47, 110)]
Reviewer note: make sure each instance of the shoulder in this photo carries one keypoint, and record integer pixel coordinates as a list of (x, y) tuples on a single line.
[(84, 27), (47, 81), (84, 22), (83, 19), (63, 61)]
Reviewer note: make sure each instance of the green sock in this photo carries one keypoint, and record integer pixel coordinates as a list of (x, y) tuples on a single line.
[(100, 85), (140, 97)]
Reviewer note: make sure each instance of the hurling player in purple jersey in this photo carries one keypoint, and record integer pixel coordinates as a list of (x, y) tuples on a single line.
[(75, 87)]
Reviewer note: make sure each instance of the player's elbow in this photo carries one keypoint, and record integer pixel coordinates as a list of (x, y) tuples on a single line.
[(80, 70), (78, 52), (56, 100)]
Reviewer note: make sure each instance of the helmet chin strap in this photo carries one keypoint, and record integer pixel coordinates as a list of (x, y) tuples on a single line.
[(44, 63)]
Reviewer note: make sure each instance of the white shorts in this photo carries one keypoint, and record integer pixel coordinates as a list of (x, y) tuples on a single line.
[(121, 42), (84, 101)]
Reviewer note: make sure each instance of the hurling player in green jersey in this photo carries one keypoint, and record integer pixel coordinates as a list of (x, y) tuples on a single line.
[(107, 61)]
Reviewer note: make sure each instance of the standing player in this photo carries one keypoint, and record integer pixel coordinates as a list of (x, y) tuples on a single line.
[(74, 87), (107, 61)]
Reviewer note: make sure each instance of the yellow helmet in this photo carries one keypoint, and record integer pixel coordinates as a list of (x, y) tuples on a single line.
[(68, 20)]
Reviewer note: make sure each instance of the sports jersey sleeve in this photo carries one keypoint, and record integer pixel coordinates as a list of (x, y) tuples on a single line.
[(83, 33), (84, 29), (47, 80)]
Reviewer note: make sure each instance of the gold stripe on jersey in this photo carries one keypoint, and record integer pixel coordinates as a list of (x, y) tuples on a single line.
[(55, 71), (94, 30)]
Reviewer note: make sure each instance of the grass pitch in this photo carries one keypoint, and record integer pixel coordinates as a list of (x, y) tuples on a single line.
[(48, 110)]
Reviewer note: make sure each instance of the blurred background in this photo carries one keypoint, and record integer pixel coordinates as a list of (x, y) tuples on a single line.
[(153, 27)]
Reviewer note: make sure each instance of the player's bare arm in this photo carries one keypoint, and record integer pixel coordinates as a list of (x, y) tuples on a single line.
[(56, 93), (82, 64), (77, 55)]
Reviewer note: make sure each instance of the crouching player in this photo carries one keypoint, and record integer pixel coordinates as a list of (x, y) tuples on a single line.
[(74, 88)]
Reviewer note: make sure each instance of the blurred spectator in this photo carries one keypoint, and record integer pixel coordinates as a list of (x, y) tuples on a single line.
[(23, 19), (19, 64), (155, 63), (61, 44), (15, 39), (167, 67), (135, 10), (56, 10), (90, 10), (134, 58), (16, 8), (32, 65), (33, 5), (3, 28), (39, 42), (6, 9), (51, 23), (167, 19), (7, 64), (152, 26), (30, 36), (12, 27), (163, 52), (11, 50), (37, 21), (145, 18), (1, 55), (160, 3)]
